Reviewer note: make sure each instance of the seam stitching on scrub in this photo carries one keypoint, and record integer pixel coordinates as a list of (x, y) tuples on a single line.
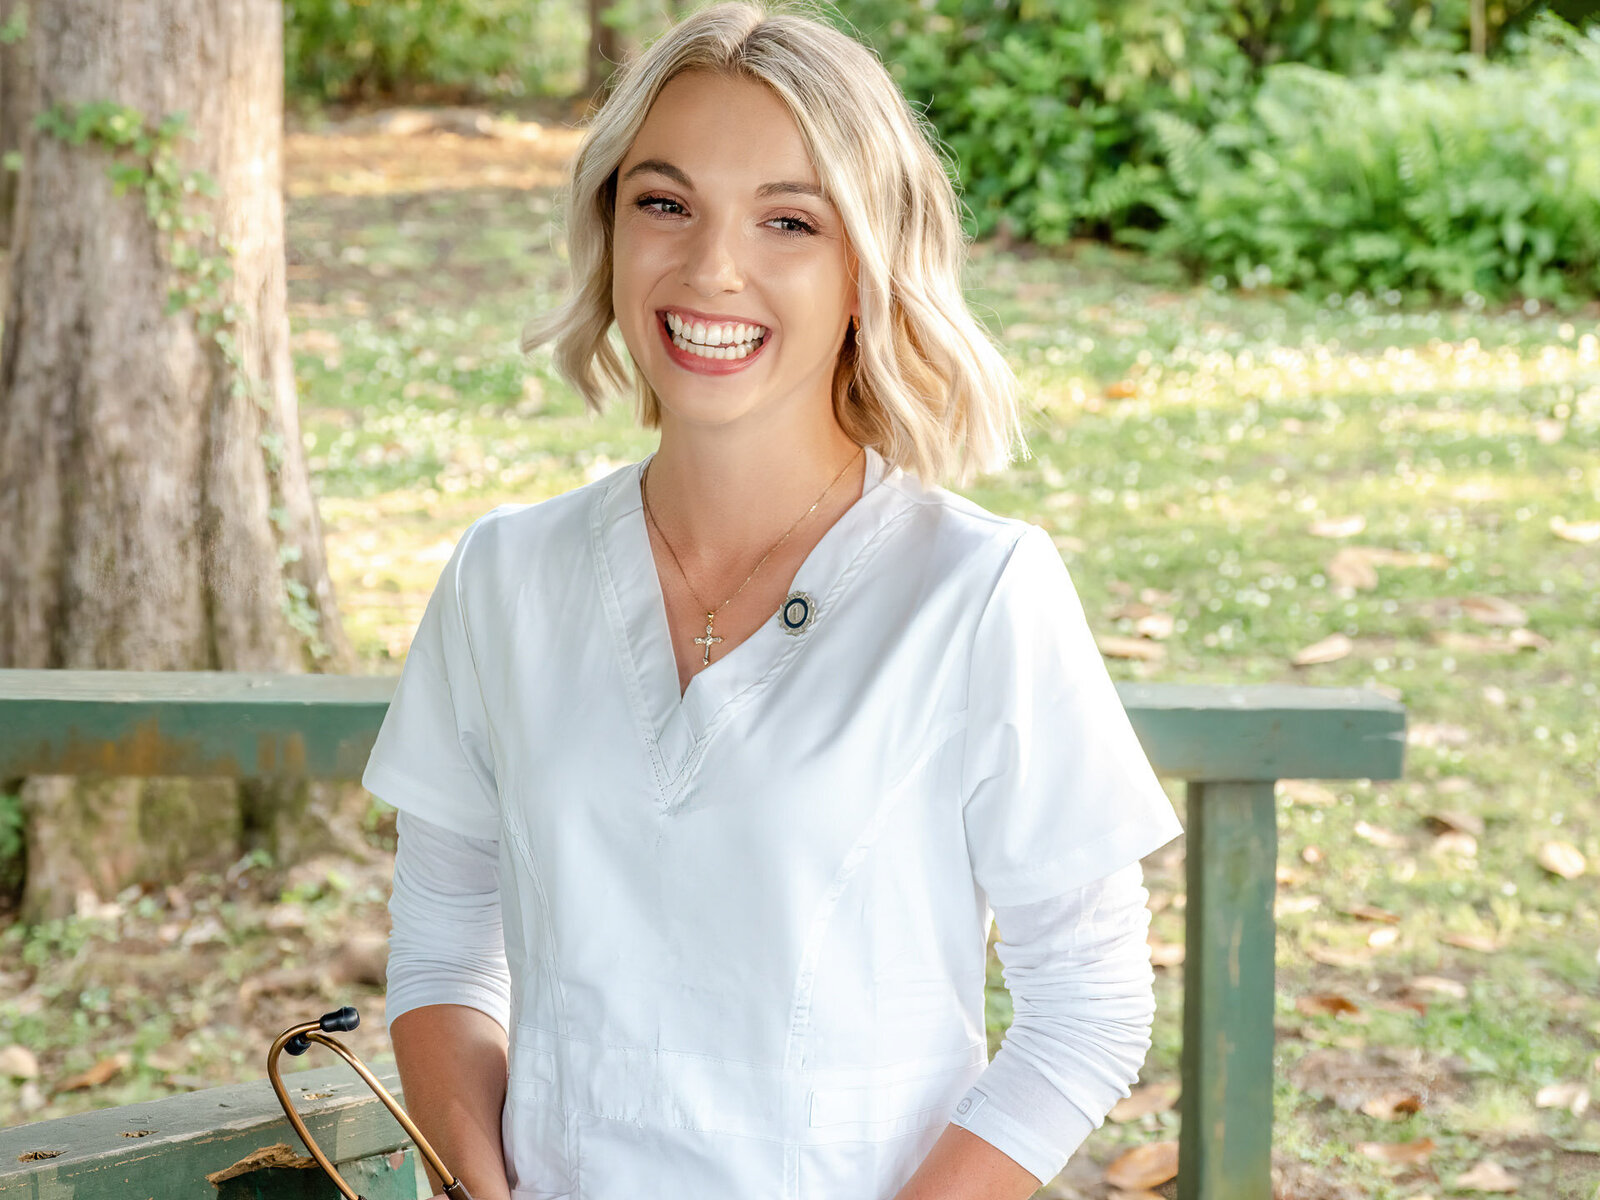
[(619, 637), (547, 953), (800, 1010), (472, 655)]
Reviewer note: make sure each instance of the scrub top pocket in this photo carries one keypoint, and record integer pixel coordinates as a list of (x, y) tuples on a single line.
[(534, 1127), (868, 1140)]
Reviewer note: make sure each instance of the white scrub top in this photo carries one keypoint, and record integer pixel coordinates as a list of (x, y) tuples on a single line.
[(746, 928)]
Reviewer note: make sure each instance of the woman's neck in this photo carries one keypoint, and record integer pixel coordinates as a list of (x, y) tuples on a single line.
[(721, 493)]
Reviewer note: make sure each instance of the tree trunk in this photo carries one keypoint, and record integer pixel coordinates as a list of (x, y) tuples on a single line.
[(17, 107), (605, 48), (153, 512)]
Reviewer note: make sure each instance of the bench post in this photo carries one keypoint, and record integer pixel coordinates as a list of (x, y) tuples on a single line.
[(1225, 1146)]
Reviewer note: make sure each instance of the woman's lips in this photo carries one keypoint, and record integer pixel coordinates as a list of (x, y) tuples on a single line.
[(708, 366)]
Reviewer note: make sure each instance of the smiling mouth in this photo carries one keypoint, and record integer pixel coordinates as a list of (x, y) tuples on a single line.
[(733, 341)]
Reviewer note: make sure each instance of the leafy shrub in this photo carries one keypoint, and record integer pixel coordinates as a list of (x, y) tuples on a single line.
[(1444, 173), (358, 49), (1040, 104)]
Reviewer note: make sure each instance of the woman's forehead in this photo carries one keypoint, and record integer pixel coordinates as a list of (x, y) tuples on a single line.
[(706, 130)]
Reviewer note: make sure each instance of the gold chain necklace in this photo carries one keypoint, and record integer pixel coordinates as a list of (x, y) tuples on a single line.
[(710, 639)]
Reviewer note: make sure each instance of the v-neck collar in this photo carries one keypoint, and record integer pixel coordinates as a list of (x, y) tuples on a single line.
[(676, 729)]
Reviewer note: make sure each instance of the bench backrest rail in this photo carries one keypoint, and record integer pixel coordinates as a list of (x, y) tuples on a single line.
[(1230, 744)]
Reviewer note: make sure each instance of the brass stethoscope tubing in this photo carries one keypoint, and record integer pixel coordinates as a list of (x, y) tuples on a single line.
[(296, 1039)]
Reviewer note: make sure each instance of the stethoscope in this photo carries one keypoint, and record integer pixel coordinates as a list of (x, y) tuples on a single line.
[(297, 1040)]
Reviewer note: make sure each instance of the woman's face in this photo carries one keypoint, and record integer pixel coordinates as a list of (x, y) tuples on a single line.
[(732, 279)]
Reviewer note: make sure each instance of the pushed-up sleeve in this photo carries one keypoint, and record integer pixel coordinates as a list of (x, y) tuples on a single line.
[(446, 938), (1056, 790), (1078, 970), (432, 755)]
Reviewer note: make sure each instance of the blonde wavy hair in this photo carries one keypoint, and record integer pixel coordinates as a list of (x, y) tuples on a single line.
[(921, 381)]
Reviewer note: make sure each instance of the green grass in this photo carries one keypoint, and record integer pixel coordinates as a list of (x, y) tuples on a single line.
[(1184, 440)]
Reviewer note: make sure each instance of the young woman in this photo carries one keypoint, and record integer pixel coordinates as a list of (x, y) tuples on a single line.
[(748, 743)]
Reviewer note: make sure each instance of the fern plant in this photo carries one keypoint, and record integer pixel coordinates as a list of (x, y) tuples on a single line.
[(1441, 174)]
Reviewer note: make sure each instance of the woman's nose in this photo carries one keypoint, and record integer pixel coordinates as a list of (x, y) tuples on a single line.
[(712, 263)]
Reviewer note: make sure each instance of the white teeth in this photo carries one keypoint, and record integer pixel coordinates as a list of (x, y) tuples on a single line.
[(721, 353), (733, 334)]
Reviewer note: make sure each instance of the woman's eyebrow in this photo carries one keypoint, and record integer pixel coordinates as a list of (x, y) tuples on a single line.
[(784, 188)]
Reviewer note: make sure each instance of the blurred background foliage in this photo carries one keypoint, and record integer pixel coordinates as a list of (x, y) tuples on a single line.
[(1448, 148)]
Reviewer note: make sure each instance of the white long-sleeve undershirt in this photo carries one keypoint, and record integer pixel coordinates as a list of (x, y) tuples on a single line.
[(1077, 966)]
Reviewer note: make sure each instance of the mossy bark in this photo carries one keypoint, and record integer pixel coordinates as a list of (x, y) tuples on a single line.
[(136, 497)]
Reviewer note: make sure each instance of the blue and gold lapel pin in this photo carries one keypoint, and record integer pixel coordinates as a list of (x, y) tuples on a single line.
[(797, 613)]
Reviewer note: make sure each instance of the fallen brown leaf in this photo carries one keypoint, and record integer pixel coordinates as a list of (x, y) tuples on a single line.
[(18, 1062), (1399, 1153), (1574, 1097), (1338, 527), (1494, 610), (1157, 625), (1329, 649), (1352, 567), (1455, 821), (1328, 1004), (1143, 1101), (1563, 859), (1391, 1106), (1439, 986), (1387, 839), (1475, 643), (102, 1072), (1368, 912), (1583, 532), (1487, 1176), (1481, 942), (1145, 1166), (1462, 845), (1303, 791), (1527, 639), (1113, 646)]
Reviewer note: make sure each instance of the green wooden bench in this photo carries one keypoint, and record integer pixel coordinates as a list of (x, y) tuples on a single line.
[(1229, 745)]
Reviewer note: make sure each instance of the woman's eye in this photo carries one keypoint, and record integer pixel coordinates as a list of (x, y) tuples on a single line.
[(645, 202), (801, 225)]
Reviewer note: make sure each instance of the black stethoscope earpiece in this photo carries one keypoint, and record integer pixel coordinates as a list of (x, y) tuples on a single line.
[(296, 1040)]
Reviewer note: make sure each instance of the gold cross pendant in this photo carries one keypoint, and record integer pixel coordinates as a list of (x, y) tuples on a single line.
[(707, 641)]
